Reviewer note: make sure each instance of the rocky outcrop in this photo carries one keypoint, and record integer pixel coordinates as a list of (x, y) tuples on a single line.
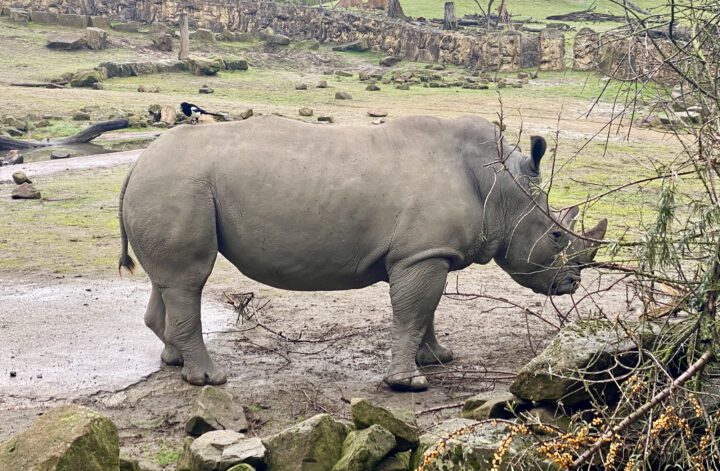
[(69, 437)]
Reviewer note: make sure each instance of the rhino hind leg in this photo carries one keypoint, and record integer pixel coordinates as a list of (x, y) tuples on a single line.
[(415, 292), (155, 320), (431, 352)]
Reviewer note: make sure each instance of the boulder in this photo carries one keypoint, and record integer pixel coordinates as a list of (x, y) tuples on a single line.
[(325, 119), (236, 63), (44, 17), (69, 437), (360, 45), (494, 405), (220, 450), (322, 84), (305, 111), (81, 116), (364, 449), (245, 114), (389, 61), (16, 123), (65, 41), (73, 21), (204, 66), (403, 86), (586, 49), (86, 78), (126, 27), (100, 22), (586, 347), (364, 414), (206, 90), (343, 96), (213, 408), (13, 132), (162, 42), (372, 88), (397, 462), (473, 448), (203, 34), (168, 116), (19, 178), (95, 38), (315, 443), (277, 40), (301, 86), (19, 15), (552, 50)]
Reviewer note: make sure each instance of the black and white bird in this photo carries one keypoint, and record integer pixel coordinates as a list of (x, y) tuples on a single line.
[(193, 112)]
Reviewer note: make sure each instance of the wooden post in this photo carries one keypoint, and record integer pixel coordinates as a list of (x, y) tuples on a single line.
[(184, 37), (450, 21), (395, 10)]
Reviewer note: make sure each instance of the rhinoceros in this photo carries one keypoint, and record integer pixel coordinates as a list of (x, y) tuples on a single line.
[(308, 207)]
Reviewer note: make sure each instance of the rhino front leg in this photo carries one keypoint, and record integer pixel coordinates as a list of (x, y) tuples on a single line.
[(431, 352), (415, 292), (183, 330), (155, 320)]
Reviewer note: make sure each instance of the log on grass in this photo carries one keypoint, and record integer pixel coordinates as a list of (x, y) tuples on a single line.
[(86, 135)]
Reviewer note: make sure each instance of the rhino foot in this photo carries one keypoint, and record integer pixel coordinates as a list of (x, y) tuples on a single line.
[(200, 375), (172, 356), (435, 355), (403, 382)]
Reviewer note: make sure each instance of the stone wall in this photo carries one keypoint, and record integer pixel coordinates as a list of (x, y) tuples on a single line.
[(491, 51)]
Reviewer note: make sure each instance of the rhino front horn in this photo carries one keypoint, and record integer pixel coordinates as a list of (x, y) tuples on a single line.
[(587, 254), (597, 232)]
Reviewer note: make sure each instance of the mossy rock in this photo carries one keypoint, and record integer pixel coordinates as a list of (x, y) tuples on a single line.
[(313, 445), (68, 438), (364, 414), (364, 449), (87, 78)]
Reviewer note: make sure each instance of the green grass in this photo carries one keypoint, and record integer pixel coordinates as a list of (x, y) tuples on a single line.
[(167, 456)]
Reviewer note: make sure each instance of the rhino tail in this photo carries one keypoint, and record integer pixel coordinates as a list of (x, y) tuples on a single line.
[(126, 260)]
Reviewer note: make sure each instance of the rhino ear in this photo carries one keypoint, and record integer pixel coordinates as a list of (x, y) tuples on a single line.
[(537, 150)]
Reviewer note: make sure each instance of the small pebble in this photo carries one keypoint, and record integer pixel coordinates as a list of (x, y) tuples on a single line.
[(13, 374)]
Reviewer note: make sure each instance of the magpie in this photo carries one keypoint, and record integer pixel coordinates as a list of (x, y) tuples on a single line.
[(193, 112)]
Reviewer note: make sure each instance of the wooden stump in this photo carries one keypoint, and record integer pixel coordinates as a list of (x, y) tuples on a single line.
[(184, 38), (450, 21), (395, 10)]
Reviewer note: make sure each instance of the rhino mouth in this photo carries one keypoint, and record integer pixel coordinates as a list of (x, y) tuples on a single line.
[(566, 284)]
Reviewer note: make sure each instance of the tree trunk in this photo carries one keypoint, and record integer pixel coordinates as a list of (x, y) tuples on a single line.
[(86, 135), (450, 20), (395, 10), (184, 37)]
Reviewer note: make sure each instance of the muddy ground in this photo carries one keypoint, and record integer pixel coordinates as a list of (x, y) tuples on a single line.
[(82, 339)]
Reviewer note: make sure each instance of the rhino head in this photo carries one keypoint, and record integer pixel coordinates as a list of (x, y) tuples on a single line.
[(541, 253)]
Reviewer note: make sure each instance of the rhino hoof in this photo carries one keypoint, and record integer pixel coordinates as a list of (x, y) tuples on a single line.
[(417, 382), (171, 356), (436, 355), (200, 376)]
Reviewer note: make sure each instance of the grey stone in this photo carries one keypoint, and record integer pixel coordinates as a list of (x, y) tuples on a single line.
[(86, 78), (390, 61), (59, 154), (397, 462), (203, 34), (215, 409), (81, 116), (372, 88), (66, 41), (19, 178), (343, 73), (326, 119), (204, 66), (315, 443), (251, 451), (361, 45), (245, 114), (364, 414), (44, 17), (14, 132), (206, 90), (16, 123), (343, 96), (403, 86), (364, 449), (100, 22), (277, 40), (301, 86), (126, 27), (220, 450), (67, 437), (305, 111), (95, 38), (162, 42), (322, 84), (19, 15), (377, 113), (73, 21), (236, 63), (494, 405)]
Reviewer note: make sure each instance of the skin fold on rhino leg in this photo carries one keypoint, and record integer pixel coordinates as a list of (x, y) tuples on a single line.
[(415, 292), (155, 320), (431, 352)]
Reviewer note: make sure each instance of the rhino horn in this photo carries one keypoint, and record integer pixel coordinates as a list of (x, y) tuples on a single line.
[(589, 249), (568, 217)]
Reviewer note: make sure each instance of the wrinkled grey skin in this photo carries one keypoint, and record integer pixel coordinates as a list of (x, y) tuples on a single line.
[(307, 207)]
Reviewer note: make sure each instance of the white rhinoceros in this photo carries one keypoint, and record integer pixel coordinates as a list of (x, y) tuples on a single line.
[(306, 207)]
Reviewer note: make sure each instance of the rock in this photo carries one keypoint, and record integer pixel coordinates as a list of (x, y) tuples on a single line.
[(127, 27), (65, 41), (215, 409), (552, 50), (45, 17), (689, 117), (322, 84), (95, 38), (586, 49), (300, 86), (315, 443), (19, 178), (389, 61), (342, 73), (100, 22), (403, 86), (206, 90), (19, 15), (277, 40), (360, 45), (98, 86), (549, 415), (14, 132), (523, 75), (364, 413), (203, 66), (236, 63), (305, 111), (203, 34), (13, 157), (364, 449), (378, 122), (376, 113), (87, 78), (397, 462), (475, 450), (81, 116), (493, 405), (168, 115), (155, 111), (127, 464), (343, 96), (245, 114), (162, 42), (73, 21), (516, 84), (372, 88), (221, 450), (59, 154), (581, 347), (326, 119), (16, 123), (69, 437)]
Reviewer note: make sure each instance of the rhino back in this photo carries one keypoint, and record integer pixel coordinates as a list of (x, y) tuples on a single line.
[(301, 206)]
